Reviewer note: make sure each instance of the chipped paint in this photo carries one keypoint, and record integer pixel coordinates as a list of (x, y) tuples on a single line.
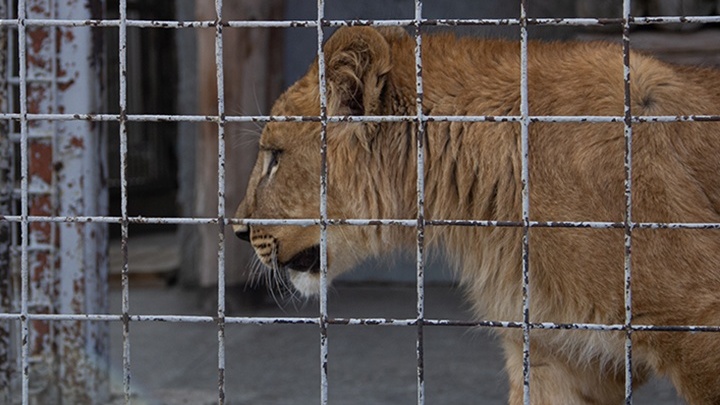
[(39, 99), (41, 157), (64, 262)]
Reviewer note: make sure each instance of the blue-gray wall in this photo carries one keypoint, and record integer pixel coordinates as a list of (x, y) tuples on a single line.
[(301, 43)]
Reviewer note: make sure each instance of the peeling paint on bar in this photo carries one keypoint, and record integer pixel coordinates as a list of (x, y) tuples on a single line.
[(452, 22), (359, 119), (125, 271), (323, 302), (525, 180), (628, 135), (361, 322), (360, 222), (82, 262), (220, 82), (24, 225), (420, 128), (41, 97)]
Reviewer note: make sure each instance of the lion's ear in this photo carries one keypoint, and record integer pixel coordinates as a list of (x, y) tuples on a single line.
[(357, 60)]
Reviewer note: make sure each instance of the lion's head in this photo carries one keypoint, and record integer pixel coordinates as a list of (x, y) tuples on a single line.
[(285, 182)]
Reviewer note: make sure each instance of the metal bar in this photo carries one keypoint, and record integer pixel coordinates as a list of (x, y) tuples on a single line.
[(12, 56), (361, 222), (323, 308), (24, 225), (65, 259), (81, 276), (420, 204), (125, 271), (353, 118), (6, 194), (221, 200), (41, 60), (628, 133), (412, 322), (525, 180), (452, 22), (51, 270)]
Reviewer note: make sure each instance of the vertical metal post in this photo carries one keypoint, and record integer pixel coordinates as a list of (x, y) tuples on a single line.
[(80, 165), (59, 71)]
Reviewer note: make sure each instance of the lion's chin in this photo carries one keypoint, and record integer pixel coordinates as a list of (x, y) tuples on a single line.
[(306, 283)]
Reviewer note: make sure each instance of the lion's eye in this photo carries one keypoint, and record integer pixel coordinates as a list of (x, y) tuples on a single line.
[(271, 161)]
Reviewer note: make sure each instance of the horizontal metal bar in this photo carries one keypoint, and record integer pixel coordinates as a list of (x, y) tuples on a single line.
[(647, 20), (357, 119), (17, 138), (34, 247), (361, 222), (39, 79), (110, 117), (35, 190), (111, 23), (578, 224), (423, 21), (116, 220), (174, 24), (356, 322)]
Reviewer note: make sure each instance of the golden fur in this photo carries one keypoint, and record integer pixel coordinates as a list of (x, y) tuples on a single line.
[(473, 172)]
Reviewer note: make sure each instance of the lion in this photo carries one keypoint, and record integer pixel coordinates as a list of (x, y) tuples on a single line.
[(473, 172)]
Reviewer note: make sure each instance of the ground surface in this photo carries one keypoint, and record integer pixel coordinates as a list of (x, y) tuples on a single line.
[(176, 363)]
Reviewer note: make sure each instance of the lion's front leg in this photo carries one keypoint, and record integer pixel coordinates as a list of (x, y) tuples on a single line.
[(555, 382)]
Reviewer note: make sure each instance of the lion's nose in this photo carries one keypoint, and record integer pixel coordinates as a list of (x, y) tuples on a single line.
[(242, 232)]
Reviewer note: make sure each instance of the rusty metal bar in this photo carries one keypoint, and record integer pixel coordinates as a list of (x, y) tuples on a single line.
[(420, 204), (628, 133), (125, 271), (221, 200), (525, 180), (49, 351), (369, 322), (78, 164), (366, 322), (452, 22), (361, 222), (343, 118), (41, 97), (323, 305)]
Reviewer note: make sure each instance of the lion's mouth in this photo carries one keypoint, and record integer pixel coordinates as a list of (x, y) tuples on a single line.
[(307, 260)]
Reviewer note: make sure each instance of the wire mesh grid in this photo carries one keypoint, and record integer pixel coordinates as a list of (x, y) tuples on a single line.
[(25, 220)]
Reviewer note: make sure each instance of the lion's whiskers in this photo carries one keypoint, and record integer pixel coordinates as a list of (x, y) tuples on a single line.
[(349, 246), (244, 138)]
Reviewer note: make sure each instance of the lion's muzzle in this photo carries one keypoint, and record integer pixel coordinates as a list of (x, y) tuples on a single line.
[(307, 260), (242, 232)]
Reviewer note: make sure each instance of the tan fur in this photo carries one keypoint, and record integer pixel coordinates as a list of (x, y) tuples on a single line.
[(473, 172)]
